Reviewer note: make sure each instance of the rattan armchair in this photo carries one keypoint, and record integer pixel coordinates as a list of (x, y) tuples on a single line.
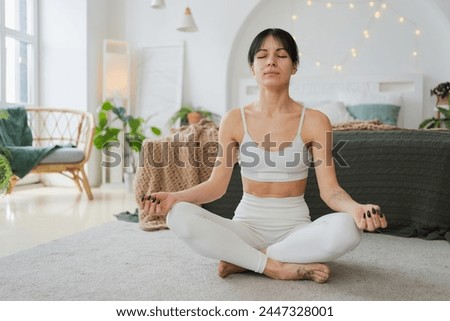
[(55, 126)]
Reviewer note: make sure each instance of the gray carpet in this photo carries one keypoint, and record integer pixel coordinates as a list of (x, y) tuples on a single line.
[(118, 261)]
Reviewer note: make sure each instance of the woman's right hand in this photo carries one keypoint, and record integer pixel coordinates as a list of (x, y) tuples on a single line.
[(157, 204)]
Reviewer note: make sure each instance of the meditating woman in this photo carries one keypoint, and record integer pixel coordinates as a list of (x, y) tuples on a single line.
[(271, 231)]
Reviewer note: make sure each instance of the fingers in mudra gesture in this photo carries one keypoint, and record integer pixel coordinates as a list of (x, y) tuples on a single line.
[(370, 218), (157, 204)]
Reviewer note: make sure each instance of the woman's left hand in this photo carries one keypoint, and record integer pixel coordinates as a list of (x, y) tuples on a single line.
[(369, 217)]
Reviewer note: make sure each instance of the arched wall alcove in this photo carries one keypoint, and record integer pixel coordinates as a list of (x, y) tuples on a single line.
[(327, 35)]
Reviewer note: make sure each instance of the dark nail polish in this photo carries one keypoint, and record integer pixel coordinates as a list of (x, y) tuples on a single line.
[(149, 198), (368, 214), (381, 215), (364, 216), (378, 211), (158, 202), (142, 197), (153, 199), (374, 211)]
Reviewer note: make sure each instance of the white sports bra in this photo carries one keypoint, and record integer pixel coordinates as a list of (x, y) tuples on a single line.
[(289, 163)]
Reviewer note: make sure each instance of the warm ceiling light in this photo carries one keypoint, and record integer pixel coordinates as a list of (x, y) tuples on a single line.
[(188, 23), (157, 4)]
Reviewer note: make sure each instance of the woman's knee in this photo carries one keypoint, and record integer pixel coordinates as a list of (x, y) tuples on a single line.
[(179, 218), (347, 232), (342, 234)]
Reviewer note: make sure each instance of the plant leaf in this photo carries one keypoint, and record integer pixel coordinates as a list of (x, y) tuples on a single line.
[(107, 106), (155, 130), (424, 123), (4, 114)]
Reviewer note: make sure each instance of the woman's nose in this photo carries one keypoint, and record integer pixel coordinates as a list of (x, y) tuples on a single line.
[(271, 62)]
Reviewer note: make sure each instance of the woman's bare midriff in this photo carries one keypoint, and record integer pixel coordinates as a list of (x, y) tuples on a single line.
[(274, 189)]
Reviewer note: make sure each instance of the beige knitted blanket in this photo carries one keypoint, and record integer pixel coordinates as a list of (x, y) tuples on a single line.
[(173, 163)]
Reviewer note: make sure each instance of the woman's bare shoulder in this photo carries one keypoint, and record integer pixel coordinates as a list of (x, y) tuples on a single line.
[(232, 123), (316, 124), (317, 118)]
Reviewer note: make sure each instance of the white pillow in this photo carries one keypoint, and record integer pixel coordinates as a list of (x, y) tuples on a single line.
[(335, 111)]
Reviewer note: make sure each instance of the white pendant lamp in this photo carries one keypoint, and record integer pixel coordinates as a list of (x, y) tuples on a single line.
[(187, 23), (157, 4)]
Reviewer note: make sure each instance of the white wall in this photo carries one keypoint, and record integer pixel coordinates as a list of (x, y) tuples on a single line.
[(216, 55), (206, 52)]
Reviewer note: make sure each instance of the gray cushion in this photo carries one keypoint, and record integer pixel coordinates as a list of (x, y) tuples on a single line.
[(63, 155)]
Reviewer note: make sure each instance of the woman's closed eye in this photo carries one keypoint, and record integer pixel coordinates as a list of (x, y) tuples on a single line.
[(279, 56)]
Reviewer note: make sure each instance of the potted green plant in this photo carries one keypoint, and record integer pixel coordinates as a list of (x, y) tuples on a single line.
[(132, 127), (5, 171), (5, 167), (442, 116), (189, 115), (441, 92)]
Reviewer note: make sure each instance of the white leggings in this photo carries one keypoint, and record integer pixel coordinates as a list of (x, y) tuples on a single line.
[(281, 226)]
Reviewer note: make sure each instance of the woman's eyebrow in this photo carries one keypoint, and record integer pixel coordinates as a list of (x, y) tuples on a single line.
[(278, 49)]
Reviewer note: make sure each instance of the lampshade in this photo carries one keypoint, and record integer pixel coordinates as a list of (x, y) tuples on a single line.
[(188, 23), (157, 4)]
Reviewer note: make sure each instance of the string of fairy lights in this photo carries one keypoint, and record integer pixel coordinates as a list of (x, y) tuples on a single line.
[(379, 9)]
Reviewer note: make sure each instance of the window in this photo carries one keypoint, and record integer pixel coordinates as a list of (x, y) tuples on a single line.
[(18, 52)]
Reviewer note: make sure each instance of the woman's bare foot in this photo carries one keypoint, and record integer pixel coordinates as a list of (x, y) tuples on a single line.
[(317, 272), (225, 269)]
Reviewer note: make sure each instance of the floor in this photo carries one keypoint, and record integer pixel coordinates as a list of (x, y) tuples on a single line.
[(35, 214)]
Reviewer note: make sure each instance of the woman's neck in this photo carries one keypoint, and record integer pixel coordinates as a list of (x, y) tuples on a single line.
[(272, 102)]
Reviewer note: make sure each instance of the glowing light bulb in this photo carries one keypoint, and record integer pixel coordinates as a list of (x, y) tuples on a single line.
[(371, 3), (317, 63), (351, 5), (329, 5), (377, 14), (401, 19), (415, 53), (309, 2), (294, 17), (384, 6), (417, 32), (353, 52), (366, 34)]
